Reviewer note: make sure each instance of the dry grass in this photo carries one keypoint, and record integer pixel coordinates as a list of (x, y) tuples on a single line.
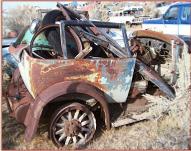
[(170, 131)]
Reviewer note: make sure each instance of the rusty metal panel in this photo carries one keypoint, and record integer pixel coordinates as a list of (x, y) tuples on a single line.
[(112, 76), (157, 35)]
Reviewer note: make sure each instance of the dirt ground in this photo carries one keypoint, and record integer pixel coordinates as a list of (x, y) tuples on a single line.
[(168, 127)]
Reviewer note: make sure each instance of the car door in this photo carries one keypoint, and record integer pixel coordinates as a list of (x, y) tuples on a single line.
[(171, 21), (185, 19)]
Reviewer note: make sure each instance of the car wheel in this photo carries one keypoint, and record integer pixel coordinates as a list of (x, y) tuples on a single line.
[(72, 125)]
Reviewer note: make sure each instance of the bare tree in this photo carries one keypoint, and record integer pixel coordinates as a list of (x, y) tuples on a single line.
[(19, 17), (150, 9)]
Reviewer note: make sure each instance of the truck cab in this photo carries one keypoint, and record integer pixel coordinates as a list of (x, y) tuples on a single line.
[(175, 21)]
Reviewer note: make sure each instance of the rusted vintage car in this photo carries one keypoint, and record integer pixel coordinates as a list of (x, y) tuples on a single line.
[(69, 71)]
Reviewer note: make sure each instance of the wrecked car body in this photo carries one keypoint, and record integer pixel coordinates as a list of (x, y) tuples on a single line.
[(88, 72)]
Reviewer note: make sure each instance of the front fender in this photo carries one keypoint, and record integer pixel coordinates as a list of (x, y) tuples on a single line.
[(52, 92), (157, 35), (152, 76)]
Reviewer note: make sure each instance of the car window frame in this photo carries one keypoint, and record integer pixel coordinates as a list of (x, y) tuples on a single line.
[(167, 12)]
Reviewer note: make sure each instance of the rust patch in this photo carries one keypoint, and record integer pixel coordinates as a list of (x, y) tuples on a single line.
[(14, 50), (18, 97), (102, 73), (44, 76)]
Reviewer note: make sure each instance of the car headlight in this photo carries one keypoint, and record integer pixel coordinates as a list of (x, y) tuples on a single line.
[(35, 25)]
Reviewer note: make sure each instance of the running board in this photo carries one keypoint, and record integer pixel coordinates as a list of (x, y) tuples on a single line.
[(156, 107), (130, 120)]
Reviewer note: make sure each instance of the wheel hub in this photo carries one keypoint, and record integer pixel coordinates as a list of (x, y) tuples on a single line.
[(73, 125), (72, 128)]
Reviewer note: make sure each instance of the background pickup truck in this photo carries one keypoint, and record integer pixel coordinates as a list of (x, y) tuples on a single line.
[(129, 15), (175, 21)]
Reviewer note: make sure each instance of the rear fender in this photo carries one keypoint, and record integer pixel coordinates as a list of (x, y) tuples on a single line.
[(56, 90)]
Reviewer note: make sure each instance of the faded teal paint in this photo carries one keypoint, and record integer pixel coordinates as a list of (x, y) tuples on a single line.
[(118, 89), (112, 76), (27, 37), (40, 40)]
